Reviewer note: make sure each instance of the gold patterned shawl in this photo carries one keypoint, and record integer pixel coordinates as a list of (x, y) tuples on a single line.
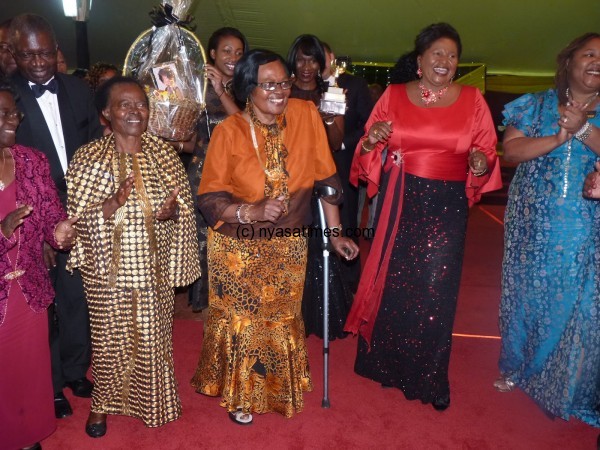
[(132, 249)]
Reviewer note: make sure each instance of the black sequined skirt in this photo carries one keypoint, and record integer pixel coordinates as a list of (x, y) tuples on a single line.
[(412, 335)]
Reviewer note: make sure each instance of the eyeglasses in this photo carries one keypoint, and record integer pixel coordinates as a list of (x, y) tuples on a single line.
[(272, 85), (28, 56), (14, 114)]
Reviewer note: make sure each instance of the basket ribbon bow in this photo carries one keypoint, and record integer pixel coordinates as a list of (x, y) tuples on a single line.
[(163, 15)]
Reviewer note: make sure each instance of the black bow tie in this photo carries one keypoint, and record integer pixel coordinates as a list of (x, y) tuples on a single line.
[(39, 89)]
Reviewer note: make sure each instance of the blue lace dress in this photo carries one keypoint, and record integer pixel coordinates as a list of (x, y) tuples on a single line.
[(550, 307)]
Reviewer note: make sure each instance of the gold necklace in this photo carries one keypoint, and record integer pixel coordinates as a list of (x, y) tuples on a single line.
[(275, 174), (276, 177), (2, 185), (16, 272)]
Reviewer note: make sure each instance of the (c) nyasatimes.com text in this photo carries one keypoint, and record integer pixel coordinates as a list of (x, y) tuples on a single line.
[(278, 232)]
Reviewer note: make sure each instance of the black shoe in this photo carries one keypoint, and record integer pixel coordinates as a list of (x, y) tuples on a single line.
[(36, 446), (81, 388), (62, 408), (441, 403), (97, 429)]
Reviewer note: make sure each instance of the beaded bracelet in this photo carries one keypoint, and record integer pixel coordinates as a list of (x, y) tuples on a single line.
[(247, 216), (584, 132), (237, 213), (367, 150)]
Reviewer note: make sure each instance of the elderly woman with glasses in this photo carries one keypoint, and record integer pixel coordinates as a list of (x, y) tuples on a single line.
[(260, 170)]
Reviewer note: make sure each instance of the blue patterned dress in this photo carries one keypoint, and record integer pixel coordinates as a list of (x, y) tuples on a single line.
[(550, 282)]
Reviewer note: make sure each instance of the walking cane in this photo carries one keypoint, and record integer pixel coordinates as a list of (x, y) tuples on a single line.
[(325, 191)]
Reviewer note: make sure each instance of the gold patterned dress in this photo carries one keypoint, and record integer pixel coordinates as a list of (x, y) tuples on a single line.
[(130, 264), (254, 354)]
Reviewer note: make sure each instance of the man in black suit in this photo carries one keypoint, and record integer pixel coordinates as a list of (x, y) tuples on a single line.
[(358, 109), (59, 118)]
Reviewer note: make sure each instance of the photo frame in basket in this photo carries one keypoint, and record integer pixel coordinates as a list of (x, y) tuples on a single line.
[(167, 78)]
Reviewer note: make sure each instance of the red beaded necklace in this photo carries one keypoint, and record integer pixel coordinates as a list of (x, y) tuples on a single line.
[(428, 96)]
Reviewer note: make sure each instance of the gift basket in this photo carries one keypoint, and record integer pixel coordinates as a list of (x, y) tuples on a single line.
[(168, 60)]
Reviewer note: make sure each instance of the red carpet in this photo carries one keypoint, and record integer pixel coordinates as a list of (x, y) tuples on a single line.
[(362, 414)]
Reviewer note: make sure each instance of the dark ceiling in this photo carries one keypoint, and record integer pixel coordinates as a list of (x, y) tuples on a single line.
[(509, 36)]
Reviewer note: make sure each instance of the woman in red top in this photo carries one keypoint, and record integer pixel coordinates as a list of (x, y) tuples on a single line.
[(441, 157)]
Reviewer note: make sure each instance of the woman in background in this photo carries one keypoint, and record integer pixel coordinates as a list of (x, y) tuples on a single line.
[(306, 59), (225, 47), (99, 74)]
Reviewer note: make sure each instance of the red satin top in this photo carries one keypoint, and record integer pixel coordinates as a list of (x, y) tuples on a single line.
[(427, 142), (434, 142)]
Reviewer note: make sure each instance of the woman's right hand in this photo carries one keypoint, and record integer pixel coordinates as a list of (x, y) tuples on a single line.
[(14, 219), (380, 132), (268, 210), (118, 199), (215, 77), (591, 186), (124, 190)]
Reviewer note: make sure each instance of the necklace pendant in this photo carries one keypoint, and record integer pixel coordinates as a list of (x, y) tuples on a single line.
[(14, 274), (2, 185), (428, 96)]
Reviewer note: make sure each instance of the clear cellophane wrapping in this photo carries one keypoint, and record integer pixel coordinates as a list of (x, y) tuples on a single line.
[(173, 115)]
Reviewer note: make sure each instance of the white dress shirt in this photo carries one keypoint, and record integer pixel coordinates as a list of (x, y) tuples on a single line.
[(49, 105)]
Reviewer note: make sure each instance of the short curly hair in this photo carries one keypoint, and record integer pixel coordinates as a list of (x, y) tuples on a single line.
[(102, 97), (7, 86), (96, 71)]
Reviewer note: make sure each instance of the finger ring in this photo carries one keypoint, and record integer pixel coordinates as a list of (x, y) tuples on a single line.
[(376, 133), (565, 120)]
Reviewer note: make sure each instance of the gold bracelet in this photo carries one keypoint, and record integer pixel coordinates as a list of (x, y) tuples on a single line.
[(247, 215), (367, 150)]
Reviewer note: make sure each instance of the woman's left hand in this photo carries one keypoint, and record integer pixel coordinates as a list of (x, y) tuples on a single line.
[(65, 234), (477, 162), (573, 118), (168, 210), (345, 247)]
